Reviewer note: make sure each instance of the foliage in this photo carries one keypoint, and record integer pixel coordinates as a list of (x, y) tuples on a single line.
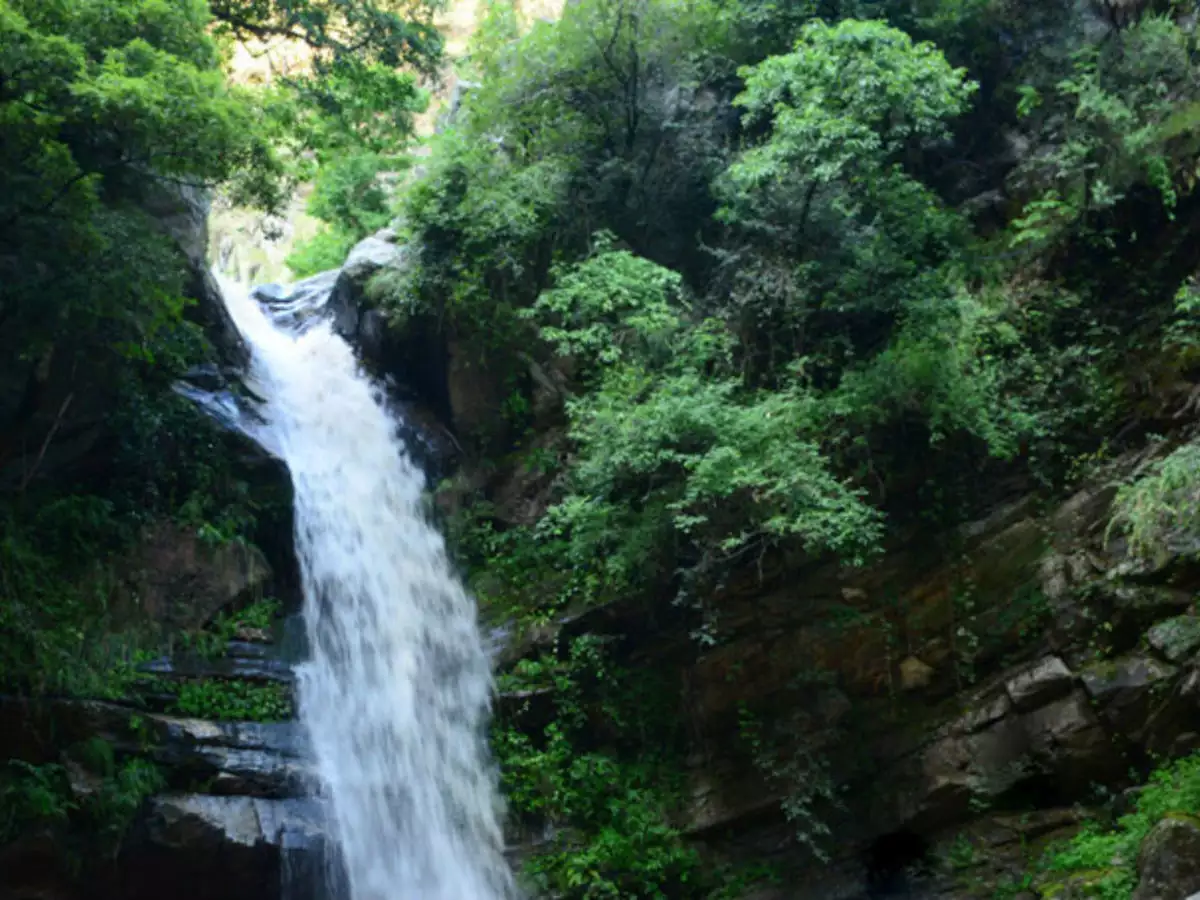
[(122, 788), (672, 454), (1108, 857), (232, 700), (33, 794), (42, 796), (572, 124), (324, 251), (346, 120), (1162, 505), (61, 552), (385, 33), (614, 839), (350, 197), (213, 641), (55, 636), (1124, 114), (846, 101), (104, 103), (784, 754), (610, 299)]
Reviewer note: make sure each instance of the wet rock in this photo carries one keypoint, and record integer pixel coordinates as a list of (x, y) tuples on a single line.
[(367, 258), (1176, 638), (253, 759), (251, 661), (183, 841), (984, 712), (257, 759), (1169, 861), (1047, 680), (300, 304), (195, 821)]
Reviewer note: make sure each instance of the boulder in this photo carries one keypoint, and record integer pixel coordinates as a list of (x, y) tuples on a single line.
[(201, 847), (1135, 607), (1122, 689), (1171, 729), (1177, 638), (1169, 861), (1046, 680), (350, 319), (1067, 739), (915, 674)]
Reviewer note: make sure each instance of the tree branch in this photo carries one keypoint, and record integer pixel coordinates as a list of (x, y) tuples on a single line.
[(37, 463)]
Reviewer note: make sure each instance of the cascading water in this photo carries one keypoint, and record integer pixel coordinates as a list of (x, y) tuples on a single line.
[(396, 694)]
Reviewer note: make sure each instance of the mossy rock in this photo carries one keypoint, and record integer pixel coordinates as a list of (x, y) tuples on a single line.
[(1169, 859), (1081, 884), (1175, 638)]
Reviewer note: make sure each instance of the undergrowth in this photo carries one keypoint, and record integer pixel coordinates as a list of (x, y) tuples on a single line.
[(1101, 862)]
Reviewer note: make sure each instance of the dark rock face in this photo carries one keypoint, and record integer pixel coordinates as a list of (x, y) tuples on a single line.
[(204, 847), (1002, 750), (177, 581)]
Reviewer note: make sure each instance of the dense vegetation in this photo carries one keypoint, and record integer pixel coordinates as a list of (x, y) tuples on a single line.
[(755, 282), (790, 302), (772, 282)]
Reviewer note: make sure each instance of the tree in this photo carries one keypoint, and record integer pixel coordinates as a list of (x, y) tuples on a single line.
[(103, 102), (390, 33), (831, 235)]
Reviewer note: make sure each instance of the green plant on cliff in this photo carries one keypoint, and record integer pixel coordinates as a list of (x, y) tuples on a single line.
[(672, 452), (233, 700), (783, 752), (212, 641), (1123, 114), (607, 797), (1162, 505), (1102, 862), (95, 809), (33, 795)]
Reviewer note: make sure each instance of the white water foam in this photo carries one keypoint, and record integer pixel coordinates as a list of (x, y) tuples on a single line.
[(397, 692)]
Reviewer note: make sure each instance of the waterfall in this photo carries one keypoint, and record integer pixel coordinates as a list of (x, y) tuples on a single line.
[(396, 693)]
